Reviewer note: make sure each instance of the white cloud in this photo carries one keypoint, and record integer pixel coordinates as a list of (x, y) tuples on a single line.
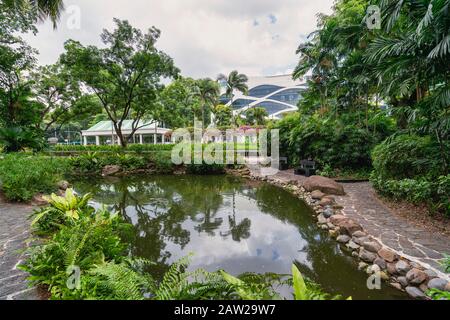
[(205, 37)]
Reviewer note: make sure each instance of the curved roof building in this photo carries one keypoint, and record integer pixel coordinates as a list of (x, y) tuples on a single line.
[(276, 94)]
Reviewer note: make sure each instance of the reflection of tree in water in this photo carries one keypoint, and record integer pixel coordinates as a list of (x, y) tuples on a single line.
[(320, 249), (240, 230), (158, 206)]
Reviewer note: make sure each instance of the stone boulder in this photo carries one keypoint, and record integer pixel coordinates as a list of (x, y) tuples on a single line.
[(325, 185), (317, 195), (327, 201), (110, 170), (416, 276), (39, 200), (402, 267), (343, 239), (415, 293), (387, 255), (381, 263), (437, 283), (347, 226), (372, 246), (63, 185), (367, 256)]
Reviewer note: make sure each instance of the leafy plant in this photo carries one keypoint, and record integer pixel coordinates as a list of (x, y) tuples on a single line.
[(24, 175), (61, 211), (18, 139)]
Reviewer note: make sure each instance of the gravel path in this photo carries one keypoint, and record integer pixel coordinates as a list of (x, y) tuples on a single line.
[(14, 233)]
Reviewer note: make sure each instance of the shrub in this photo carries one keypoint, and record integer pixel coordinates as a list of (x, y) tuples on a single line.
[(24, 175), (406, 156), (327, 141), (18, 139), (435, 192), (204, 168), (62, 211)]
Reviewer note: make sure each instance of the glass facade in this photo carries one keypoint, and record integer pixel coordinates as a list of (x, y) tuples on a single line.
[(271, 107), (241, 103), (263, 90), (290, 96)]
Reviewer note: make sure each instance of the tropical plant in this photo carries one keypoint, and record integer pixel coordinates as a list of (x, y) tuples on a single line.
[(18, 139), (45, 9), (207, 92), (24, 175), (256, 116), (62, 211), (235, 81)]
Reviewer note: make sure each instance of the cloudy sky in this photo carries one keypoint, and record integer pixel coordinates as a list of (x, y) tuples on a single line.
[(205, 37)]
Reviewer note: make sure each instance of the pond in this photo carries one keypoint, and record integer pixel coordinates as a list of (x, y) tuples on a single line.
[(232, 224)]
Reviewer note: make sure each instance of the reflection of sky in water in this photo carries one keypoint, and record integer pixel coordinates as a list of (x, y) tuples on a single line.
[(239, 228)]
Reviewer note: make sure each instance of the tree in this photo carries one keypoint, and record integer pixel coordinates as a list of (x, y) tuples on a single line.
[(125, 76), (223, 115), (60, 96), (42, 9), (234, 81), (16, 57), (207, 92), (256, 116), (179, 102)]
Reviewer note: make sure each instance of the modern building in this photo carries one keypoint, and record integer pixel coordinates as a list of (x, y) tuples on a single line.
[(277, 94), (104, 133)]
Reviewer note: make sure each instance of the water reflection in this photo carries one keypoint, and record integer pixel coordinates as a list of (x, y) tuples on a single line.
[(232, 224)]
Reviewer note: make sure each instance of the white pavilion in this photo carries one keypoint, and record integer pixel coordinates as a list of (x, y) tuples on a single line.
[(104, 133)]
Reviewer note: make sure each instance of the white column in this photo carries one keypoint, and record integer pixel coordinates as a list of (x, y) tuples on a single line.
[(97, 140), (141, 140), (155, 140), (85, 140)]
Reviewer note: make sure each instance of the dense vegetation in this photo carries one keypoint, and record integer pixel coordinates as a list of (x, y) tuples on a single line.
[(378, 98)]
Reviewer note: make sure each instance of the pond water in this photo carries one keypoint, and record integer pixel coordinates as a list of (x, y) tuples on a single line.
[(232, 224)]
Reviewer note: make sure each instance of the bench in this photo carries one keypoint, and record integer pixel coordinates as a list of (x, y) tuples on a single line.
[(284, 165), (307, 168)]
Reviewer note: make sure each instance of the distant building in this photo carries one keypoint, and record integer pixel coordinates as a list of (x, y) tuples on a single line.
[(276, 94), (104, 133)]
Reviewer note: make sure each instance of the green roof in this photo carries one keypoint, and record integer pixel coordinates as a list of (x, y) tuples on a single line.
[(107, 126)]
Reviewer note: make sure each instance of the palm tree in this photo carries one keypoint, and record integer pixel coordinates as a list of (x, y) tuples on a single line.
[(45, 8), (234, 81), (256, 116), (207, 91)]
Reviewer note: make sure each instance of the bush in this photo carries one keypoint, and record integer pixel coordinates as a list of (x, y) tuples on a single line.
[(435, 193), (137, 148), (327, 141), (406, 156), (24, 175), (204, 168), (19, 139), (93, 162)]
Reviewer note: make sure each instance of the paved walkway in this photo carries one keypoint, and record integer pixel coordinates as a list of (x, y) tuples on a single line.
[(361, 204), (14, 233), (416, 244)]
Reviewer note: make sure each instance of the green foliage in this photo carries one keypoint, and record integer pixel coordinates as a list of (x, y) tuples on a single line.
[(125, 73), (434, 192), (204, 168), (18, 139), (93, 162), (24, 175), (327, 141), (62, 211), (406, 156), (137, 148)]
